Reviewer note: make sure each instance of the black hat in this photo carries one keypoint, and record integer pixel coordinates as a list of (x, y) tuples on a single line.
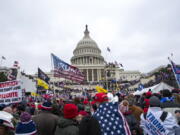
[(154, 101)]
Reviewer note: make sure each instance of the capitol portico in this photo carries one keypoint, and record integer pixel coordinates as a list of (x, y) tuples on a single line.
[(87, 57)]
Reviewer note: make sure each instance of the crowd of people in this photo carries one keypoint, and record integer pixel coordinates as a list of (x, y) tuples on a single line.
[(102, 114)]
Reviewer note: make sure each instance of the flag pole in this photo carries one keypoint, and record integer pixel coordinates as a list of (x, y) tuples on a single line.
[(53, 74), (174, 72)]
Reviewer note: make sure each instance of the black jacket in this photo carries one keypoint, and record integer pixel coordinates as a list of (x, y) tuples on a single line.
[(89, 126), (67, 127)]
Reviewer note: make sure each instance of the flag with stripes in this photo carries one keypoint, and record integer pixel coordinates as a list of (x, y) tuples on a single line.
[(111, 120), (64, 70)]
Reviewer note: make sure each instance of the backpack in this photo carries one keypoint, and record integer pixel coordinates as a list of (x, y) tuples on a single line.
[(162, 118)]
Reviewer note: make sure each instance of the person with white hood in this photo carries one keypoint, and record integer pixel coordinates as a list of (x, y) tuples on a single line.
[(156, 121), (6, 125)]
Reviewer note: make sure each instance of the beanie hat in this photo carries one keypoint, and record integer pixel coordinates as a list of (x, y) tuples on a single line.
[(46, 106), (25, 117), (100, 97), (154, 101), (70, 111), (26, 128)]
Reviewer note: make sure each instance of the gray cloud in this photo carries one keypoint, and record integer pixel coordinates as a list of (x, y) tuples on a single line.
[(141, 34)]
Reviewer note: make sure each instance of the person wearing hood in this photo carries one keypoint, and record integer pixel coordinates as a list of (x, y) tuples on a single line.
[(6, 125), (68, 125), (132, 122)]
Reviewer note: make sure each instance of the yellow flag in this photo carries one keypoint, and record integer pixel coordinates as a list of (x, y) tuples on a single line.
[(42, 84), (101, 90), (34, 94)]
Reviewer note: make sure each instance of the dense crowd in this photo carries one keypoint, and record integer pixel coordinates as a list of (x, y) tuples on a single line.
[(102, 114)]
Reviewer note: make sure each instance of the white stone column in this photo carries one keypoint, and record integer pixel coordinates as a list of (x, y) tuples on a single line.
[(92, 75), (87, 75), (98, 75)]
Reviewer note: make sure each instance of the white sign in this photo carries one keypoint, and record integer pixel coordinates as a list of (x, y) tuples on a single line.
[(10, 92), (154, 126)]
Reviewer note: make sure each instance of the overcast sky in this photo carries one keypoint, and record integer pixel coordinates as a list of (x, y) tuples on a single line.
[(140, 33)]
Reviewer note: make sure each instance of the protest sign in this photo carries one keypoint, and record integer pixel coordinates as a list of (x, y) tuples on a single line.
[(10, 92)]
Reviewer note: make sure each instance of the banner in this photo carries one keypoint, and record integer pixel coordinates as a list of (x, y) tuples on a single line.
[(10, 92), (64, 70)]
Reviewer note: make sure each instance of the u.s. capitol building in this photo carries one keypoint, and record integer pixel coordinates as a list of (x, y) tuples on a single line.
[(87, 57)]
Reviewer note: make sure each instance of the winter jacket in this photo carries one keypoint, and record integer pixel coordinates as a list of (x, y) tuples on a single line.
[(67, 127), (89, 126), (152, 123), (136, 111), (170, 106), (46, 123)]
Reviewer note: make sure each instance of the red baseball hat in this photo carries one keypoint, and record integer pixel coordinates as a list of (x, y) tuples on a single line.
[(85, 102), (100, 97)]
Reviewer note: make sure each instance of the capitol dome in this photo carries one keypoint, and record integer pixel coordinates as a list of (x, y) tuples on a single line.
[(87, 51), (87, 57)]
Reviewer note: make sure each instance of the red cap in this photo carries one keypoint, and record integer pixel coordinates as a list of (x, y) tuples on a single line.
[(93, 102), (100, 97), (70, 111), (148, 94), (85, 102), (83, 113)]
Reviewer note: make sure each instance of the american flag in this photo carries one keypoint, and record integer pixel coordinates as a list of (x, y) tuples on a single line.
[(64, 70), (111, 120)]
